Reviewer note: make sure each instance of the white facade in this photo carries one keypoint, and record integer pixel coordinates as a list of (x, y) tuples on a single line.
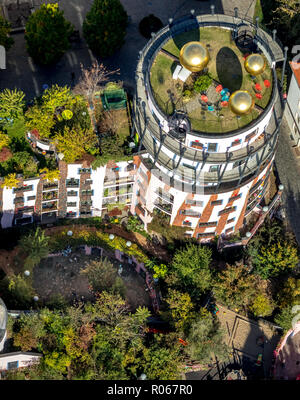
[(18, 360), (292, 110)]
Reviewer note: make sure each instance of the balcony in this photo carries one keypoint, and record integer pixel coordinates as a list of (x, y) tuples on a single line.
[(19, 200), (87, 203), (84, 170), (165, 207), (186, 223), (191, 213), (87, 192), (27, 188), (50, 185), (51, 195), (72, 183), (71, 204), (168, 198), (49, 206), (71, 214), (115, 182)]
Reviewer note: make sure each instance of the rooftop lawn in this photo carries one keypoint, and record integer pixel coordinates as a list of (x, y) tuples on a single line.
[(226, 66)]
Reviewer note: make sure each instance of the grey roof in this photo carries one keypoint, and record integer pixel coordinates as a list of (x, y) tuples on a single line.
[(15, 353), (3, 319)]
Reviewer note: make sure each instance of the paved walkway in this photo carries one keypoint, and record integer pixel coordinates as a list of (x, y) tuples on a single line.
[(288, 168), (22, 73)]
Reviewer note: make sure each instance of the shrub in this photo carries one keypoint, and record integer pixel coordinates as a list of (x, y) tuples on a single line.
[(202, 83), (5, 39)]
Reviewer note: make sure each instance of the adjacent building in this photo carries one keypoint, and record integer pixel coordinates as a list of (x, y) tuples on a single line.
[(292, 110)]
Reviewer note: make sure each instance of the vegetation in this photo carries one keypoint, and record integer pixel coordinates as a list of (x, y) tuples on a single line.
[(10, 181), (5, 39), (47, 34), (11, 104), (104, 27), (202, 83), (35, 246)]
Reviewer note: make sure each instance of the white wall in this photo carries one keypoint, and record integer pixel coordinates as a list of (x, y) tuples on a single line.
[(24, 359)]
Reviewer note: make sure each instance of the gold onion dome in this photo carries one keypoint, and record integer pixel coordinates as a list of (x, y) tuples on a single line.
[(241, 102), (194, 56), (255, 64)]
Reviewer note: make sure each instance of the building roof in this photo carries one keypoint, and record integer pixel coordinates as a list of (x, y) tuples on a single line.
[(295, 67), (23, 353)]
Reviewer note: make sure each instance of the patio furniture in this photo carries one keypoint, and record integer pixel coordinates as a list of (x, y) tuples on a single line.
[(219, 88), (267, 83), (258, 95), (210, 108), (204, 98), (224, 103), (225, 98)]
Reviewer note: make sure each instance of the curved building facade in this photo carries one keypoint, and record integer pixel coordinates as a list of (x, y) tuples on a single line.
[(3, 322), (200, 164)]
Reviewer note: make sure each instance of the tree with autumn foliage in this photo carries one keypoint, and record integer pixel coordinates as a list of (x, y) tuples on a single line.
[(181, 309), (50, 175), (11, 104), (47, 34), (10, 181), (289, 295), (104, 27)]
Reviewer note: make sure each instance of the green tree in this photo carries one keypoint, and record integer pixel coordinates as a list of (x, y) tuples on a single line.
[(21, 290), (76, 142), (284, 318), (5, 39), (235, 287), (262, 306), (181, 308), (36, 246), (37, 118), (274, 260), (47, 34), (104, 27), (206, 341), (190, 270), (289, 295), (4, 140), (11, 103), (31, 329), (202, 83)]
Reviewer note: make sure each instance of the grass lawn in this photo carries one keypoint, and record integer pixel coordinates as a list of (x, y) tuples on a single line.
[(258, 12), (226, 66), (17, 130)]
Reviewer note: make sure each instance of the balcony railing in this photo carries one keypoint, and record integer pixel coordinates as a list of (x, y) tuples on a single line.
[(72, 193), (50, 206), (50, 185), (165, 207), (168, 198), (72, 183), (19, 200), (27, 188), (50, 195)]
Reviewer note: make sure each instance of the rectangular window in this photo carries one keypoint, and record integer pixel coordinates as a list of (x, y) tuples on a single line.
[(206, 235), (71, 204), (214, 168), (227, 210), (216, 202), (250, 136), (189, 166), (71, 214), (196, 203), (87, 192), (190, 213), (205, 224), (25, 209), (212, 147), (50, 185), (19, 200), (187, 234), (230, 220), (72, 193), (229, 230), (139, 207), (72, 182), (186, 223), (30, 198), (27, 188), (12, 364), (236, 142), (197, 145), (238, 196), (88, 182), (84, 212), (87, 203), (84, 170)]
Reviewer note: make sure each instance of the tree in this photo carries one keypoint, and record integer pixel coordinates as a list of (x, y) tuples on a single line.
[(235, 287), (10, 181), (181, 307), (74, 143), (36, 246), (47, 34), (37, 118), (102, 275), (261, 306), (284, 318), (205, 341), (290, 293), (21, 290), (92, 79), (5, 39), (104, 27), (111, 122), (31, 329), (275, 259), (4, 140), (51, 176), (11, 104), (190, 270), (202, 83)]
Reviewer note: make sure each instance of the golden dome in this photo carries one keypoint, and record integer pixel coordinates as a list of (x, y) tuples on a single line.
[(194, 56), (255, 64), (241, 102)]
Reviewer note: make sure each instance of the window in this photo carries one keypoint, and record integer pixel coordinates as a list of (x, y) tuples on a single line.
[(30, 198), (88, 182), (72, 193), (206, 235), (236, 142), (187, 234), (250, 136), (23, 189), (229, 230), (189, 166), (196, 203), (186, 223), (72, 182), (85, 212), (71, 214), (190, 213), (214, 168), (205, 224), (197, 144), (238, 196), (216, 202), (87, 192), (12, 364), (71, 204), (84, 170), (227, 210), (212, 147), (230, 220), (18, 200), (87, 203), (25, 209), (141, 209)]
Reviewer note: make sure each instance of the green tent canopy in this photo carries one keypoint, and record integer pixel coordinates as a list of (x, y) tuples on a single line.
[(114, 99)]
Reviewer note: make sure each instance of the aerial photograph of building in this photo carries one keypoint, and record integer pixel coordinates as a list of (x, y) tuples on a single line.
[(149, 191)]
